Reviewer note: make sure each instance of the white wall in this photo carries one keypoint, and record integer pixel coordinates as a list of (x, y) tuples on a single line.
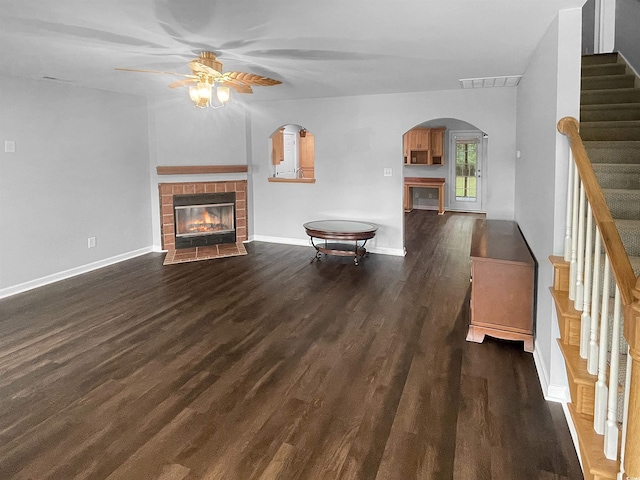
[(627, 35), (181, 134), (355, 139), (549, 90), (80, 170)]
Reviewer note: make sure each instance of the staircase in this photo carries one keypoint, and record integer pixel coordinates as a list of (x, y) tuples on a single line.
[(610, 132)]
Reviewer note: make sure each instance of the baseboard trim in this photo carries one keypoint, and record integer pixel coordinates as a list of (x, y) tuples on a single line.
[(398, 252), (72, 272), (551, 392), (557, 394), (573, 432)]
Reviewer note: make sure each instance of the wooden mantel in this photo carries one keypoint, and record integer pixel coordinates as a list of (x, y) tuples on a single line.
[(200, 169)]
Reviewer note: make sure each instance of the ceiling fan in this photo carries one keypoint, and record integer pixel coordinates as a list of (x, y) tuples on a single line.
[(206, 73)]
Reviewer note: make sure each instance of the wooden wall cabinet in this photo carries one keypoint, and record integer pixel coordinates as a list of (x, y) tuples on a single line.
[(306, 156), (424, 146), (418, 139), (502, 283), (436, 153), (277, 147)]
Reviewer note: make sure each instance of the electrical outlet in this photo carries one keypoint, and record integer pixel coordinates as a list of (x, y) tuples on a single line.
[(431, 195), (91, 242)]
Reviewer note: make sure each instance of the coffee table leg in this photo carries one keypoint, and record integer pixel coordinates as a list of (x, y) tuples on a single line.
[(318, 255)]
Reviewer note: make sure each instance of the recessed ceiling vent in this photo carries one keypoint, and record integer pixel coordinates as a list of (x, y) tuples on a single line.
[(488, 82)]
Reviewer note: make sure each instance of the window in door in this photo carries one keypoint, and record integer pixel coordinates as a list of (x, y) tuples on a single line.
[(466, 169)]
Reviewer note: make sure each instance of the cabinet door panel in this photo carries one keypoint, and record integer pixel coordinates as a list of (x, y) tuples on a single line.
[(277, 147), (437, 142), (419, 139), (500, 295)]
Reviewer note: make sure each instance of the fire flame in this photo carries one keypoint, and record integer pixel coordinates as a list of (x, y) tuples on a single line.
[(205, 223)]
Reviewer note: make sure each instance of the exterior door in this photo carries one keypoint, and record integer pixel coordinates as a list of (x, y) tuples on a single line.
[(466, 159)]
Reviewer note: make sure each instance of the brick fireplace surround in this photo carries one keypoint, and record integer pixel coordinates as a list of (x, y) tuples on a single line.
[(168, 190)]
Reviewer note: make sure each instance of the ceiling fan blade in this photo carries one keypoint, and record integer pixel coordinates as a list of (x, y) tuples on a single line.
[(181, 83), (252, 79), (155, 71), (237, 86)]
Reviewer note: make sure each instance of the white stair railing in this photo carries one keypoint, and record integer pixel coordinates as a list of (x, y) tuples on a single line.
[(603, 287), (585, 318), (602, 393), (592, 356), (590, 289), (578, 300), (600, 328)]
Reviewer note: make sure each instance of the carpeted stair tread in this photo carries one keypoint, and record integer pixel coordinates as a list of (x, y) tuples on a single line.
[(603, 69), (613, 151), (635, 264), (618, 95), (611, 130), (618, 175), (629, 231), (600, 58), (623, 203), (625, 80), (610, 112)]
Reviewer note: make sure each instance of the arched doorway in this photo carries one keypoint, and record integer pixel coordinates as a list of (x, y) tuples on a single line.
[(450, 150)]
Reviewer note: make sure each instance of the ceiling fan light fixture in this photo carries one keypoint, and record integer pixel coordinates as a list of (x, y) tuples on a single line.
[(201, 94), (206, 73), (204, 90), (223, 93), (193, 94)]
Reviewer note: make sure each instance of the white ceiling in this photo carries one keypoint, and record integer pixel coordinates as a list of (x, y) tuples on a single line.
[(317, 49)]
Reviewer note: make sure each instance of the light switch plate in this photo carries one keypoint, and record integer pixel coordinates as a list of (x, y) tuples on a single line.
[(9, 146), (388, 172)]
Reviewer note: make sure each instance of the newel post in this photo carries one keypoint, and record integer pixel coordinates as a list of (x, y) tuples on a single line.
[(632, 334)]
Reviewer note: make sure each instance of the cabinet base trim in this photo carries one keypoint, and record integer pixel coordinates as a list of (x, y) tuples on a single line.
[(476, 334)]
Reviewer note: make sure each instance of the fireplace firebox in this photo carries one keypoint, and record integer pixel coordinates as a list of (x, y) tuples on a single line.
[(204, 219)]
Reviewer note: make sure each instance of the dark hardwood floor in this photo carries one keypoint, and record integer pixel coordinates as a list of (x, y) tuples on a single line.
[(270, 367)]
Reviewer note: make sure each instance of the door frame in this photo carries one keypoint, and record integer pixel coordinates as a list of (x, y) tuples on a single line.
[(480, 171)]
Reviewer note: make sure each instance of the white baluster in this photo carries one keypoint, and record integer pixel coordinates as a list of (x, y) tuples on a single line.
[(574, 238), (600, 407), (580, 262), (625, 414), (567, 237), (592, 360), (585, 318), (611, 431)]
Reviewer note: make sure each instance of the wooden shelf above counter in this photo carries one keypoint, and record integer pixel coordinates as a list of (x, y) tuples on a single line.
[(200, 169)]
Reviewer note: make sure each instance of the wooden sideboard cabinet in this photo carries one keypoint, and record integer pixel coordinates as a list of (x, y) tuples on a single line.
[(503, 275)]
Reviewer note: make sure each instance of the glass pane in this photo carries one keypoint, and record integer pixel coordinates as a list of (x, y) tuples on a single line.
[(466, 158)]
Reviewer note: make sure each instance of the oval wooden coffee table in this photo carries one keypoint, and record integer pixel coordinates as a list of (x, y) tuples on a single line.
[(335, 233)]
